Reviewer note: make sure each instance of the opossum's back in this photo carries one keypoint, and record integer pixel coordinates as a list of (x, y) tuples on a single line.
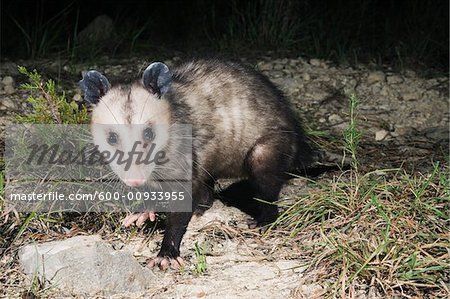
[(232, 107), (236, 101)]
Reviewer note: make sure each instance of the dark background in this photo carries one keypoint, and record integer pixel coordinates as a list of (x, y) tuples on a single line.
[(402, 33)]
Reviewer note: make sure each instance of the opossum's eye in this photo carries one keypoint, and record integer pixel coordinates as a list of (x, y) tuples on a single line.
[(148, 134), (112, 138)]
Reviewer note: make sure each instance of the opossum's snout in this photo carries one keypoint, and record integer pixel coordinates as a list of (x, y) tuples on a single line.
[(134, 182)]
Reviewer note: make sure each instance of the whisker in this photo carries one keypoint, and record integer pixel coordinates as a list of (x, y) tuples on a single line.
[(110, 111)]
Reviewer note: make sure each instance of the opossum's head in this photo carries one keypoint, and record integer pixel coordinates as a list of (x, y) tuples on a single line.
[(132, 121)]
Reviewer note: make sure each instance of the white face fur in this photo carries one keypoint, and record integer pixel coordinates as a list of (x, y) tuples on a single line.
[(131, 117)]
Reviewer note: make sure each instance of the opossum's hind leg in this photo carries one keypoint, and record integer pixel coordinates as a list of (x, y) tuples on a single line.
[(244, 196), (205, 197), (267, 163)]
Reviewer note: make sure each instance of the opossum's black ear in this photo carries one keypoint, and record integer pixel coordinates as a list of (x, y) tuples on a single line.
[(94, 86), (157, 78)]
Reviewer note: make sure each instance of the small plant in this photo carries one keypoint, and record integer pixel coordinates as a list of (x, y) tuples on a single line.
[(2, 187), (262, 24), (200, 254), (41, 35), (49, 107), (352, 135)]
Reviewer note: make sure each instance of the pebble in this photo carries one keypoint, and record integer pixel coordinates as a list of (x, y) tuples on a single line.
[(324, 65), (376, 88), (411, 96), (276, 74), (278, 66), (385, 91), (380, 135), (306, 76), (293, 62), (8, 80), (335, 119), (8, 103), (314, 62), (377, 76), (9, 67), (394, 79), (9, 89), (77, 97), (264, 66)]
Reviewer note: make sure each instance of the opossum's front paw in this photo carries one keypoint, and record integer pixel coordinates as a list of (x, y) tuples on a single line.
[(163, 263), (138, 218)]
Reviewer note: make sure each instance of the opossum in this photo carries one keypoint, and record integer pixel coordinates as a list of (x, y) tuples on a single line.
[(242, 127)]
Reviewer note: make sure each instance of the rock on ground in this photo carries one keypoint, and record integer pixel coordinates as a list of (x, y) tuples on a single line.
[(99, 30), (85, 265)]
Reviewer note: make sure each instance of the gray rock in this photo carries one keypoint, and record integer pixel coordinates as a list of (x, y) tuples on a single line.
[(385, 91), (376, 88), (85, 265), (8, 103), (293, 62), (99, 30), (77, 97), (335, 119), (381, 135), (9, 89), (314, 62), (278, 66), (8, 80), (411, 96), (306, 77), (9, 68), (394, 79), (264, 66), (276, 74), (377, 76)]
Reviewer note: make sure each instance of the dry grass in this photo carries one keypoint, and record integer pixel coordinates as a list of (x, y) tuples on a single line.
[(386, 228), (390, 230)]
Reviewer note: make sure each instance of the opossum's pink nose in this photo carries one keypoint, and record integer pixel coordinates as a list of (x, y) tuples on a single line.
[(134, 182)]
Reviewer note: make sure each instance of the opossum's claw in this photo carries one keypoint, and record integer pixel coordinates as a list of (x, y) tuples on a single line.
[(138, 219), (163, 263)]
